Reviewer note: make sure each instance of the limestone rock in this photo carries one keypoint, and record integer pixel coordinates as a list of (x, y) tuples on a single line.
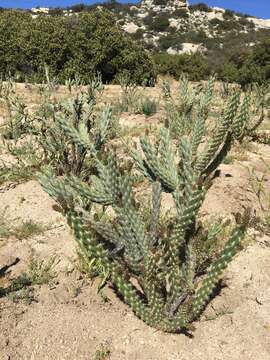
[(159, 5), (131, 28)]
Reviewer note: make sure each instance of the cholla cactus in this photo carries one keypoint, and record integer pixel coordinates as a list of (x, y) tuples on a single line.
[(7, 88), (164, 260), (64, 134), (254, 111), (95, 88), (18, 120), (74, 136), (130, 95), (225, 89), (189, 104), (259, 112), (69, 131)]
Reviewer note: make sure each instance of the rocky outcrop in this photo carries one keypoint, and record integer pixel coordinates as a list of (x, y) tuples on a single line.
[(260, 23), (159, 5), (176, 27), (130, 28), (187, 48), (156, 22)]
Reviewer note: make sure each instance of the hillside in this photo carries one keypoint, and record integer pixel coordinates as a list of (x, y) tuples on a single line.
[(178, 28), (175, 27), (142, 41)]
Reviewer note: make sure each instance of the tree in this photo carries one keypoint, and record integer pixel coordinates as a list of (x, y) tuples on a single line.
[(71, 46), (195, 65)]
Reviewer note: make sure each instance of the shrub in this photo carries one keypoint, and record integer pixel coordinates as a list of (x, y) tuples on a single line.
[(160, 23), (196, 37), (195, 65), (149, 18), (228, 72), (169, 40), (215, 22), (149, 106), (240, 14), (233, 61), (71, 46), (56, 11), (180, 13), (228, 14), (160, 2), (138, 35), (200, 7), (254, 65), (245, 22), (226, 25), (78, 8), (229, 25)]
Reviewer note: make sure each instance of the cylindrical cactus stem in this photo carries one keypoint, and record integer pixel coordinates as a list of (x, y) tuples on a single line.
[(209, 283)]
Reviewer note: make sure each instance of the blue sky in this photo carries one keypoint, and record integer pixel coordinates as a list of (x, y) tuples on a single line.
[(260, 8)]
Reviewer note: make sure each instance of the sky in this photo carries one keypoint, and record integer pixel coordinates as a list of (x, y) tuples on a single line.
[(259, 8)]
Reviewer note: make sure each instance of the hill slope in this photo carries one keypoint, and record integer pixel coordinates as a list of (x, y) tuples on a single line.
[(195, 39), (177, 27)]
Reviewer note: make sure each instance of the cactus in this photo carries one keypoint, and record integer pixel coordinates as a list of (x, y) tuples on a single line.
[(181, 113), (64, 134), (165, 268), (203, 293), (255, 109), (155, 267), (69, 136), (19, 121)]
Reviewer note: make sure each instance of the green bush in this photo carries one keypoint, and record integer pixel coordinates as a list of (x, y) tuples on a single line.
[(174, 65), (233, 62), (149, 106), (253, 65), (78, 8), (200, 7), (180, 13), (160, 23), (138, 35), (229, 25), (228, 14), (169, 40), (71, 46), (56, 11), (149, 18), (160, 2), (245, 22), (228, 72), (256, 68), (226, 25), (215, 22)]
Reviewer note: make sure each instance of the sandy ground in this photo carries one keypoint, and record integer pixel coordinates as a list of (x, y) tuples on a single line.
[(70, 320)]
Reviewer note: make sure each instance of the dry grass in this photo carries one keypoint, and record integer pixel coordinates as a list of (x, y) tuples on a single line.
[(24, 230)]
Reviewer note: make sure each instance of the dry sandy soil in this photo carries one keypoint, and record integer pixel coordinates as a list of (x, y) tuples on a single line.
[(70, 320)]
